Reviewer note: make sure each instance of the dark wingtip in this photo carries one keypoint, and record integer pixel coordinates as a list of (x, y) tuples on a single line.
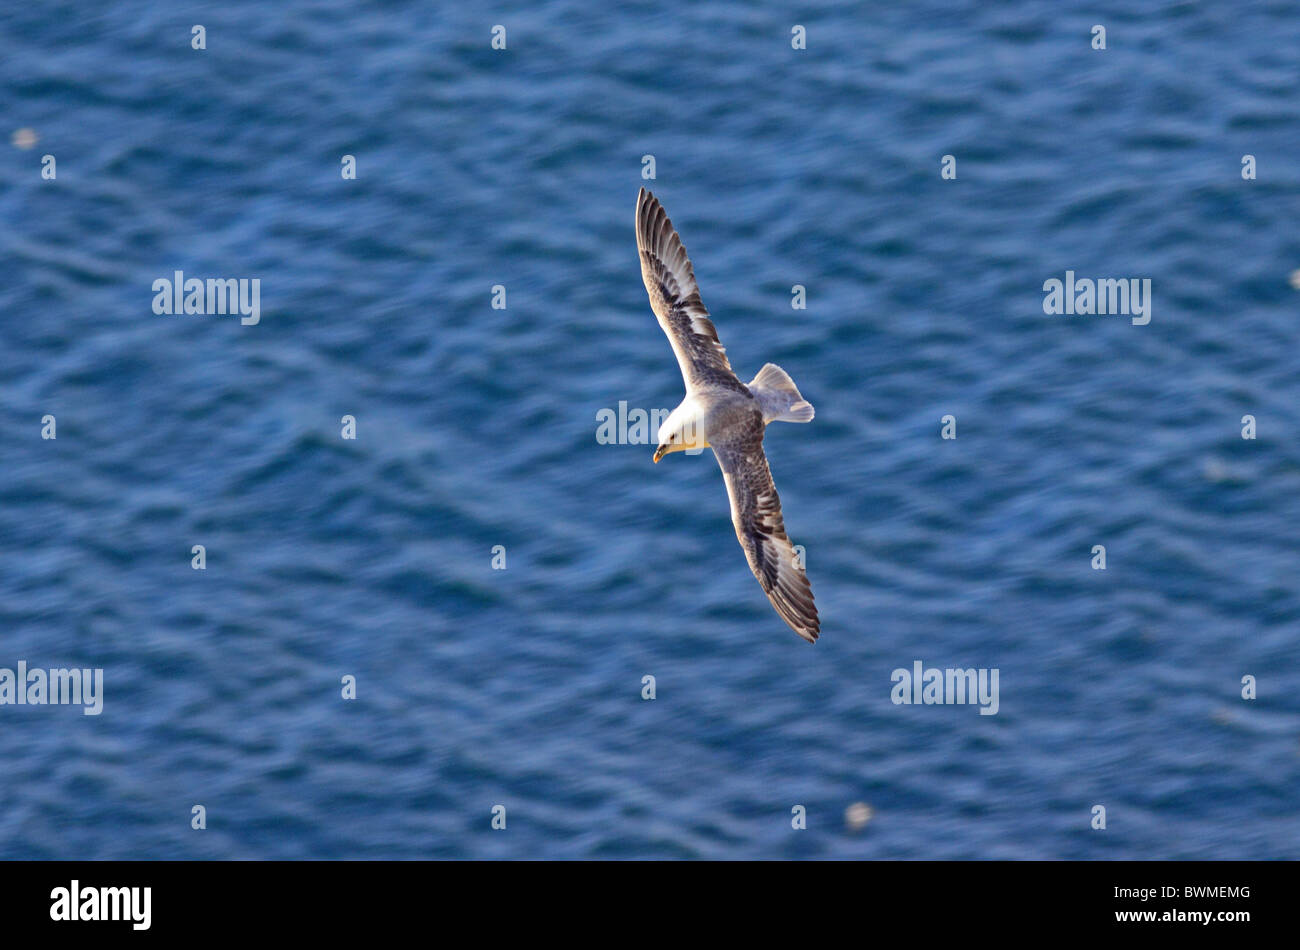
[(812, 627)]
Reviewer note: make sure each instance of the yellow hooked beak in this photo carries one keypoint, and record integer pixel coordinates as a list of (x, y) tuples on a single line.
[(660, 453)]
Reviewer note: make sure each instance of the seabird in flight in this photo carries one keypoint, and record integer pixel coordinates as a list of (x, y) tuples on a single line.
[(724, 414)]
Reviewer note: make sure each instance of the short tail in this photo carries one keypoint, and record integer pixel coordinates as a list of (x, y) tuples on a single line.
[(778, 396)]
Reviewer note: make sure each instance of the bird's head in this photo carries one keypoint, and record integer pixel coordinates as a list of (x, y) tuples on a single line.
[(679, 434)]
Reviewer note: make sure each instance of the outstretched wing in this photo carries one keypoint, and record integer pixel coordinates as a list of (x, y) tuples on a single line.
[(675, 299), (756, 513)]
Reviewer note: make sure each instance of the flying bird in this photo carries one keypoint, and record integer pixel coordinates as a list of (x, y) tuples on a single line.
[(724, 414)]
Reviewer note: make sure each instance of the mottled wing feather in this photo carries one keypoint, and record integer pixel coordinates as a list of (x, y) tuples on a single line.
[(756, 513), (675, 298)]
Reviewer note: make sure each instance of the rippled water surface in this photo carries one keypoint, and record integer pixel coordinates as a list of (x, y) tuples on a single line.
[(476, 428)]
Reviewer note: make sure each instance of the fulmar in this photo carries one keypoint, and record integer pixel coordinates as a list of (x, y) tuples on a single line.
[(724, 414)]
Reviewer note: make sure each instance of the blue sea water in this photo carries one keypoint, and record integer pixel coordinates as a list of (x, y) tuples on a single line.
[(476, 427)]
